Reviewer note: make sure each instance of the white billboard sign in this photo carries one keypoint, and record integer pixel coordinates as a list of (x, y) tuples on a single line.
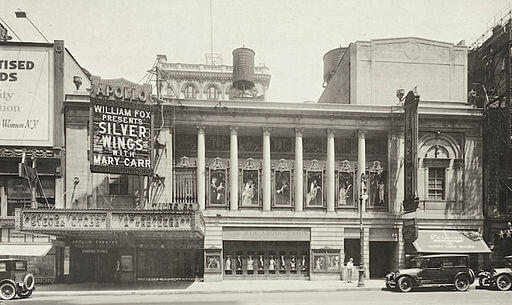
[(25, 96)]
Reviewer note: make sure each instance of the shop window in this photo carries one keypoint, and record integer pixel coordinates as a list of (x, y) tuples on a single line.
[(126, 263), (326, 260), (436, 183), (190, 92), (212, 93), (118, 185)]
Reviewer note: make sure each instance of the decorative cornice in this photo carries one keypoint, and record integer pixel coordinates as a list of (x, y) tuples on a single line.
[(233, 130), (39, 152), (299, 131)]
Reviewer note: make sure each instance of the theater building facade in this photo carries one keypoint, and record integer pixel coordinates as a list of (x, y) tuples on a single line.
[(279, 183), (252, 189)]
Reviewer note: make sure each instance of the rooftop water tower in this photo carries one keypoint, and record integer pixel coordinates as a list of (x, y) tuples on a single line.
[(243, 73)]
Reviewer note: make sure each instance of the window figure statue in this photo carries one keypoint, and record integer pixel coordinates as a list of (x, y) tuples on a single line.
[(248, 193), (228, 263), (250, 264), (238, 263), (303, 263), (260, 262), (315, 191), (282, 263), (293, 263), (271, 264)]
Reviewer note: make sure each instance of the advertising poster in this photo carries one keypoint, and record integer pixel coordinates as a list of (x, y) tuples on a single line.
[(121, 137), (25, 116)]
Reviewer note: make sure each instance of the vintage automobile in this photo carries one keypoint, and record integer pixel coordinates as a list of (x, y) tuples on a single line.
[(433, 271), (15, 280), (500, 278)]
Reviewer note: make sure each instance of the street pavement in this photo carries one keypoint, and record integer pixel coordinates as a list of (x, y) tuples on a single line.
[(361, 297)]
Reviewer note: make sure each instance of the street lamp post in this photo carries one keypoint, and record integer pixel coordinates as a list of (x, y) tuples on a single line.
[(362, 197)]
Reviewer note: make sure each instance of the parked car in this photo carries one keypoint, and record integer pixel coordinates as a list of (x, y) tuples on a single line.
[(433, 271), (500, 278), (15, 280)]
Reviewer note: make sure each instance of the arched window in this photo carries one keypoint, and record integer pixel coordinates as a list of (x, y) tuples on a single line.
[(212, 93), (190, 92)]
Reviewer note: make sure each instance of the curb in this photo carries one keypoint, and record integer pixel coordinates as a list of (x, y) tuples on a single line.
[(181, 292)]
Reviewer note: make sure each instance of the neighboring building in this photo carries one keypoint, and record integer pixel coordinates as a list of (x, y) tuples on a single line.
[(34, 77), (206, 82), (490, 73)]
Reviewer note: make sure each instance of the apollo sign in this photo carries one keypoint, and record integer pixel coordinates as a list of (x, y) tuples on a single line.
[(121, 128)]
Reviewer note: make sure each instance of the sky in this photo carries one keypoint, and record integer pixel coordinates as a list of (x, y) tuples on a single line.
[(121, 38)]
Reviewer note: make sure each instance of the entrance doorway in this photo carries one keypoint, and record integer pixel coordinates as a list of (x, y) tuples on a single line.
[(93, 265), (382, 255)]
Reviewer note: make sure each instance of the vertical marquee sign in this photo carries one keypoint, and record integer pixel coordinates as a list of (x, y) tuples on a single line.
[(121, 128), (411, 199)]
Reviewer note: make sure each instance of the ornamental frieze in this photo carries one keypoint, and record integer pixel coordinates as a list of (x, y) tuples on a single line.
[(40, 152)]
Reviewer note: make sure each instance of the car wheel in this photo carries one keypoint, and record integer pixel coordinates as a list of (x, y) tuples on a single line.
[(405, 284), (504, 282), (25, 294), (7, 291), (462, 283)]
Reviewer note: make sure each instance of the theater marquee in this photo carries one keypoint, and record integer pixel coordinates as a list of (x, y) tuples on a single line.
[(121, 133)]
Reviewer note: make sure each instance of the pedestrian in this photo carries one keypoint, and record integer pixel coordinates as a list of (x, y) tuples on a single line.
[(350, 266)]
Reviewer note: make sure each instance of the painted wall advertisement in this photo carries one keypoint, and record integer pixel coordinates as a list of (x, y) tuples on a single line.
[(121, 134), (25, 116)]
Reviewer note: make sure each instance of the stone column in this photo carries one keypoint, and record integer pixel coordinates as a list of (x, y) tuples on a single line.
[(165, 166), (330, 170), (60, 202), (366, 249), (267, 176), (233, 169), (361, 163), (3, 196), (299, 171), (201, 167)]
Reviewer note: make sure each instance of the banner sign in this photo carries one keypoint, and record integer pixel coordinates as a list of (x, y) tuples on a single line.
[(411, 152), (121, 137), (25, 116), (108, 221)]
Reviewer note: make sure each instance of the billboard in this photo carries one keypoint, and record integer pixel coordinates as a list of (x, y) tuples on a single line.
[(25, 104), (121, 136)]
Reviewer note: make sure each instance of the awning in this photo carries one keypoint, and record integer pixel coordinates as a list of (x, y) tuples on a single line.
[(25, 249), (445, 241)]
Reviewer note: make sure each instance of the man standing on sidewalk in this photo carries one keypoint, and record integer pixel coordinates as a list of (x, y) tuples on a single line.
[(350, 266)]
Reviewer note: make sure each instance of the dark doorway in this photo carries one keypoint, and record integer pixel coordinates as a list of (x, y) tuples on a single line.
[(382, 255), (93, 265), (352, 248)]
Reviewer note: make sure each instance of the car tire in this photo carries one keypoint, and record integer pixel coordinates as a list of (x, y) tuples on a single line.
[(503, 282), (404, 284), (29, 281), (462, 283), (25, 294), (7, 291)]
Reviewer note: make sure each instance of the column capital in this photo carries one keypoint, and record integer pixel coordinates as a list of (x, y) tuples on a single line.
[(233, 129), (299, 131), (331, 131), (201, 128), (361, 133), (266, 131)]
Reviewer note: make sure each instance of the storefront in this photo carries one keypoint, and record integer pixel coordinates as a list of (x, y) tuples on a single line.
[(123, 246), (453, 242), (43, 253)]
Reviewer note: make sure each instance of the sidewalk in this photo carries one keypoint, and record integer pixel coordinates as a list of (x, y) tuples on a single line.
[(229, 286)]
